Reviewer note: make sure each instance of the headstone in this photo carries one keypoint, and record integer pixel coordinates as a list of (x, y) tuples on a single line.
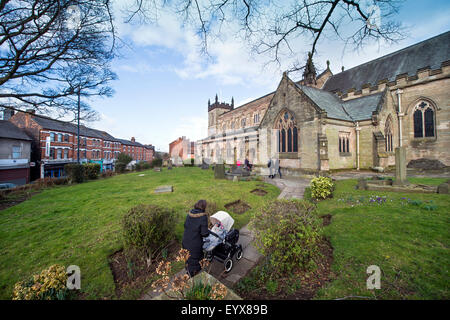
[(400, 166), (235, 179), (157, 169), (443, 188), (205, 166), (219, 171), (362, 184), (164, 189), (141, 175)]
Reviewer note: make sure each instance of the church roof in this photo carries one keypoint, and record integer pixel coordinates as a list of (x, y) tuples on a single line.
[(429, 53), (351, 110)]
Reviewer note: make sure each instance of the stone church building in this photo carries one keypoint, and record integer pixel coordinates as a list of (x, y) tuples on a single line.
[(350, 120)]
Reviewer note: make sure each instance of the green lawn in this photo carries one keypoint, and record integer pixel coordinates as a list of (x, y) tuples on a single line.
[(80, 224), (407, 236)]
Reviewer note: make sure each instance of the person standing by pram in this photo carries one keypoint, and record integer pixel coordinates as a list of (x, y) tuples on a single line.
[(195, 229)]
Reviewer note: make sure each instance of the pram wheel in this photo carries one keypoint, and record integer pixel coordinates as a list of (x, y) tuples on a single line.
[(239, 254), (228, 263)]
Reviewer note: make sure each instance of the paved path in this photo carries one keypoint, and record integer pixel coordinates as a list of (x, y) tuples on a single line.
[(240, 269), (291, 188)]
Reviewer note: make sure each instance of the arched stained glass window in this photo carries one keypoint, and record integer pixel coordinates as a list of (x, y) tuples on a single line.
[(287, 132), (418, 128), (423, 120), (295, 136), (429, 123), (289, 140)]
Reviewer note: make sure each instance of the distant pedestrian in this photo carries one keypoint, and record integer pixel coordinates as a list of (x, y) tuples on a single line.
[(277, 167), (270, 166)]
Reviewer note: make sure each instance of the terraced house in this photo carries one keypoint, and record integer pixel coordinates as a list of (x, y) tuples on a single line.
[(353, 119), (55, 144)]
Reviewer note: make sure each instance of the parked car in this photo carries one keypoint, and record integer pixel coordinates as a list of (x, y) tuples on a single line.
[(7, 185)]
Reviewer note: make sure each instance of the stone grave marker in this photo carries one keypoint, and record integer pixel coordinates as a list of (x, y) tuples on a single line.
[(164, 189), (400, 167), (219, 171)]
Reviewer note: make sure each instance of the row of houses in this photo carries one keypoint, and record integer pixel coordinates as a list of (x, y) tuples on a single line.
[(34, 146)]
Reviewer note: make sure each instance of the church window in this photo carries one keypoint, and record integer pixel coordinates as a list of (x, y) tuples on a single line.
[(388, 135), (344, 142), (287, 132), (256, 118), (243, 122), (423, 120)]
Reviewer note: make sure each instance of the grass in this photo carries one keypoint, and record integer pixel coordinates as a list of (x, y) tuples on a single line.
[(406, 235), (80, 224)]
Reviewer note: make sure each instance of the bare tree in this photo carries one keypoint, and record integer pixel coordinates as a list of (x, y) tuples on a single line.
[(271, 26), (50, 49)]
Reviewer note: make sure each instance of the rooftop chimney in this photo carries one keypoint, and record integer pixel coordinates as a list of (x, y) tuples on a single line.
[(31, 111), (133, 139)]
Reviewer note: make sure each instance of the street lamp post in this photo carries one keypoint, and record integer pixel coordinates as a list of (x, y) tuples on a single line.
[(78, 126)]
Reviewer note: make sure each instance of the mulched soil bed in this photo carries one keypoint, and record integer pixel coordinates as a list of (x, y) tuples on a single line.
[(259, 192), (135, 273), (12, 200), (326, 219), (238, 206), (310, 282)]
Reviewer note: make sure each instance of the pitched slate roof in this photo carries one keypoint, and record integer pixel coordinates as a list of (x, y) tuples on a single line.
[(351, 110), (130, 143), (429, 53), (362, 108), (10, 131), (57, 125), (326, 101)]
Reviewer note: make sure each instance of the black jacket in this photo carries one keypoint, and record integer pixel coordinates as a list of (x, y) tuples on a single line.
[(195, 228)]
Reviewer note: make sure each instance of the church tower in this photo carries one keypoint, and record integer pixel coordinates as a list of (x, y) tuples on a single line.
[(214, 111)]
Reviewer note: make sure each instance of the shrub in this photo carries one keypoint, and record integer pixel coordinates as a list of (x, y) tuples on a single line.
[(92, 170), (50, 284), (321, 187), (120, 167), (138, 166), (288, 233), (124, 158), (50, 182), (157, 163), (75, 172), (107, 173), (147, 229), (145, 166)]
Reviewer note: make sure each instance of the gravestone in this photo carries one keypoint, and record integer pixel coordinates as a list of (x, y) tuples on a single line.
[(219, 171), (400, 166), (205, 166), (164, 189), (157, 169), (443, 188)]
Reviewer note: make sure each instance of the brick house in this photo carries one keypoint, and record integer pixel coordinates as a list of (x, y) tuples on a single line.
[(181, 149), (15, 151), (349, 120), (55, 144)]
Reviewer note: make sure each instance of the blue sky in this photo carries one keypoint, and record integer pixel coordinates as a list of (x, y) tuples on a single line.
[(164, 82)]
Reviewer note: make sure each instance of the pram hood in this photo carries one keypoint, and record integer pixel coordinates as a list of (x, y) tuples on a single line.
[(226, 220)]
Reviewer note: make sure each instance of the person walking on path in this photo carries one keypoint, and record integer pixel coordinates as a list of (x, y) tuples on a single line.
[(195, 229), (277, 167), (270, 165)]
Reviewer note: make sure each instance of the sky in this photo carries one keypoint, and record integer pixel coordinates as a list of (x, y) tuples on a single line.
[(164, 82)]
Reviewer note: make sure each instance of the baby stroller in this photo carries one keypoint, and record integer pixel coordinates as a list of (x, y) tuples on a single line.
[(221, 244)]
